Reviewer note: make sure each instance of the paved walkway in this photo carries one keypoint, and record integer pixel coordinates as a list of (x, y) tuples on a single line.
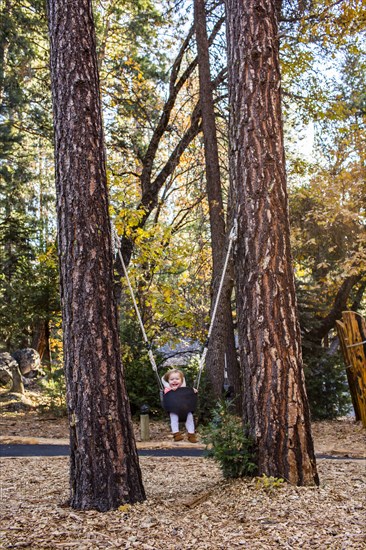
[(7, 451), (15, 446)]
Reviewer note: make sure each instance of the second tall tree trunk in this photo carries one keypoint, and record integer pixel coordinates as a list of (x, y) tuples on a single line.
[(221, 348), (275, 402)]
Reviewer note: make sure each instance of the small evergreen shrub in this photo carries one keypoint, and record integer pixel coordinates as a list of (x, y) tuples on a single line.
[(228, 444)]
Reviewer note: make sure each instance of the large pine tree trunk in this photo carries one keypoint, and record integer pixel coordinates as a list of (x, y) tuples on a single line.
[(275, 401), (104, 463), (222, 342)]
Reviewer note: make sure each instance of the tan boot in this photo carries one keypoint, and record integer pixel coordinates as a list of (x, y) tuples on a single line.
[(192, 438), (177, 436)]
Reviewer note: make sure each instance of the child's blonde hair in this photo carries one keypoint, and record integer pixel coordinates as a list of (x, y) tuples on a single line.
[(173, 371)]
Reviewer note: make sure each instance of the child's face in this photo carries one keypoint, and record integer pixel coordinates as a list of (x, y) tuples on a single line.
[(175, 380)]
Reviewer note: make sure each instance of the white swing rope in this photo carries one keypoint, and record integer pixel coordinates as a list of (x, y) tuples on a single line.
[(357, 344), (232, 238), (116, 241)]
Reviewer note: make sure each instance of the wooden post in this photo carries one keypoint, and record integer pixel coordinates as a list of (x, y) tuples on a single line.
[(17, 382), (145, 423)]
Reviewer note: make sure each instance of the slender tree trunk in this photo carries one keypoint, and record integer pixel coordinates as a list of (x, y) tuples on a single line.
[(222, 342), (4, 45), (104, 463), (275, 402), (356, 304), (41, 339)]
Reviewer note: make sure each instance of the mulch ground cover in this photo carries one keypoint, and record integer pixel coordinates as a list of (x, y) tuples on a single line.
[(189, 504)]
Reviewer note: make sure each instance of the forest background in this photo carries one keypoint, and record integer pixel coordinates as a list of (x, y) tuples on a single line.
[(149, 86)]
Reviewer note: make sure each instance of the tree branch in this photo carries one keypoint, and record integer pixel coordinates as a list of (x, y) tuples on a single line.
[(339, 305), (174, 89)]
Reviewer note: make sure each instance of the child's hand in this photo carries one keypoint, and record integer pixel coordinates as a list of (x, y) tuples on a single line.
[(195, 391)]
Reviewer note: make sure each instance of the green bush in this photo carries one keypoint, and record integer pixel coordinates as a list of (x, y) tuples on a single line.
[(142, 386), (141, 383), (325, 374), (228, 444), (326, 386), (53, 388)]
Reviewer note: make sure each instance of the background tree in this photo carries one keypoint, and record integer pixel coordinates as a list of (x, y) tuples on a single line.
[(27, 282), (221, 348), (148, 63), (275, 403), (327, 194), (104, 464)]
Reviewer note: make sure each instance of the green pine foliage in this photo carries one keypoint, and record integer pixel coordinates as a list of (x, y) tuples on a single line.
[(16, 255), (27, 286)]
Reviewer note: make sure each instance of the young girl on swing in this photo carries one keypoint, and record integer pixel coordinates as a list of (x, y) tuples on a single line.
[(172, 380)]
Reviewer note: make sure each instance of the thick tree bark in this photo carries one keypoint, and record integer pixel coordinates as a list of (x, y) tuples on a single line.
[(104, 463), (275, 402), (222, 342)]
